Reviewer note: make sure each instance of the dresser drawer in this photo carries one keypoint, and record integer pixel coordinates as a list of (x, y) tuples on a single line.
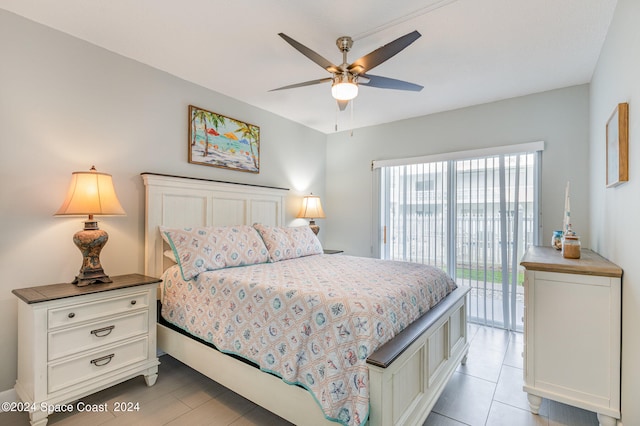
[(85, 337), (95, 364), (89, 311)]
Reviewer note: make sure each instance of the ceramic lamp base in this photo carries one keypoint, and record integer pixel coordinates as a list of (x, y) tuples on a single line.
[(90, 241), (315, 228)]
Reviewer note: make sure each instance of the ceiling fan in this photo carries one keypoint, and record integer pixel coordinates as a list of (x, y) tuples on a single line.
[(346, 77)]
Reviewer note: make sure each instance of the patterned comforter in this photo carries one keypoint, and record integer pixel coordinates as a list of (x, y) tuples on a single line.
[(312, 321)]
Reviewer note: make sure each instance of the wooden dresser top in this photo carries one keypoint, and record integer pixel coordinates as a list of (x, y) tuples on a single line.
[(539, 258)]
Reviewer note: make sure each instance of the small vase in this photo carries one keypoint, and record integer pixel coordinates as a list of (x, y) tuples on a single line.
[(556, 240)]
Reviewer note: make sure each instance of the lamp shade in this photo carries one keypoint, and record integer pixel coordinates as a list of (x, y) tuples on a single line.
[(311, 208), (91, 193)]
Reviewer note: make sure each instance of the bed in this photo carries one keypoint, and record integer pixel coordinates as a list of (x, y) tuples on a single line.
[(406, 375)]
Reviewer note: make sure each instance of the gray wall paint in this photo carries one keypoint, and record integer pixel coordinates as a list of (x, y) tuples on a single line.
[(560, 118), (615, 231), (65, 105)]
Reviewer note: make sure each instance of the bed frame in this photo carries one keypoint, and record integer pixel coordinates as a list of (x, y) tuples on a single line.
[(406, 375)]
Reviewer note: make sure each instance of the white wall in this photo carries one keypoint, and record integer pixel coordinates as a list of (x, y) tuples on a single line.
[(560, 118), (615, 212), (65, 105)]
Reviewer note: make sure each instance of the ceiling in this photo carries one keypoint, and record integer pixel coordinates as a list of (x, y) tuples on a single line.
[(471, 51)]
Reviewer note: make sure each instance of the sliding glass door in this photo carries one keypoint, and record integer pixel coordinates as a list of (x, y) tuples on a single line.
[(414, 211), (472, 217)]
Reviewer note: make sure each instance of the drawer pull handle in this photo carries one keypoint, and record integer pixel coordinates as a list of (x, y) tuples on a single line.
[(102, 332), (71, 315), (133, 302), (99, 362)]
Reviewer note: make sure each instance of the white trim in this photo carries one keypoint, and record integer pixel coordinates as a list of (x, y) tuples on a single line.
[(537, 197), (462, 155)]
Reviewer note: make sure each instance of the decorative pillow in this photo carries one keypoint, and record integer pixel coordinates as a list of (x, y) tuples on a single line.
[(200, 249), (289, 243)]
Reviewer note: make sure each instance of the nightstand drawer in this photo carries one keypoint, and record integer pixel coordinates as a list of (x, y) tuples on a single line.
[(92, 335), (75, 314), (85, 368)]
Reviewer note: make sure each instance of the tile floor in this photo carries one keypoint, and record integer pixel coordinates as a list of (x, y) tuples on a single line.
[(485, 391), (488, 389)]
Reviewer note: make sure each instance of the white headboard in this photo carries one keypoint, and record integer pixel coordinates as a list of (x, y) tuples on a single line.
[(174, 201)]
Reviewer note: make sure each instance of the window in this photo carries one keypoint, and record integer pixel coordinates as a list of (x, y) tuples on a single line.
[(424, 185), (472, 214)]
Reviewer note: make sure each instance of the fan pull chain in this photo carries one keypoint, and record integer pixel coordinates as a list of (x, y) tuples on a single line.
[(350, 119), (351, 125)]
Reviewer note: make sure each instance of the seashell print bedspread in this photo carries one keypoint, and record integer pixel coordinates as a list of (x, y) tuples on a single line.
[(312, 321)]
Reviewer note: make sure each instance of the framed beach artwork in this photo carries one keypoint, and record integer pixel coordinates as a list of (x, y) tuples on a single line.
[(618, 146), (219, 141)]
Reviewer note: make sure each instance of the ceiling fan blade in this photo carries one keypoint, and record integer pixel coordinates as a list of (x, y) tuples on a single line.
[(381, 54), (342, 104), (315, 57), (306, 83), (389, 83)]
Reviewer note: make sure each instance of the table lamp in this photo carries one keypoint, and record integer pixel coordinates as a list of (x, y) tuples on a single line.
[(91, 193), (311, 209)]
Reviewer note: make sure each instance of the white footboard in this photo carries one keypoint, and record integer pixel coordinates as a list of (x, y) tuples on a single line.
[(405, 391)]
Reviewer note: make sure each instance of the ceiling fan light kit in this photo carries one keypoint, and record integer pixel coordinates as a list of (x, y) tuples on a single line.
[(344, 87), (344, 80)]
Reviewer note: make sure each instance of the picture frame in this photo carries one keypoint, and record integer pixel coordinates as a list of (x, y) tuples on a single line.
[(219, 141), (618, 146)]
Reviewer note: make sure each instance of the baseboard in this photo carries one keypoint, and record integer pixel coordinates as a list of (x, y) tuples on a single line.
[(9, 395)]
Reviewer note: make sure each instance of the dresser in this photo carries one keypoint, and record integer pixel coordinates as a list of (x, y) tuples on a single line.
[(74, 341), (572, 327)]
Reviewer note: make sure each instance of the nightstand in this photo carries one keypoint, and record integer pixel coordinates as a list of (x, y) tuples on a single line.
[(328, 251), (74, 341)]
